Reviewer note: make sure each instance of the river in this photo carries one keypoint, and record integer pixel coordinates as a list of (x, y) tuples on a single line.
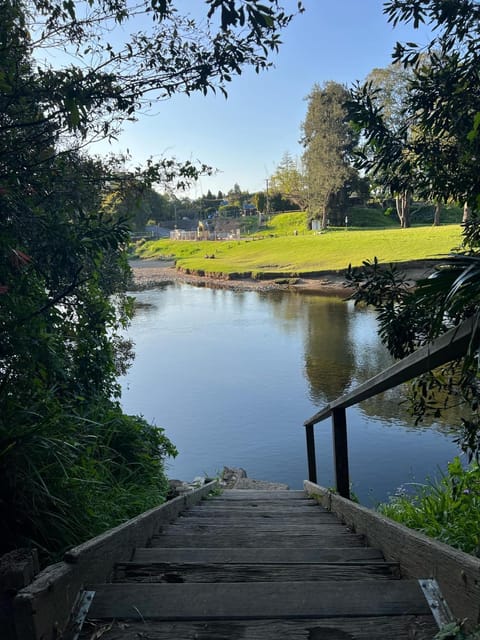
[(232, 376)]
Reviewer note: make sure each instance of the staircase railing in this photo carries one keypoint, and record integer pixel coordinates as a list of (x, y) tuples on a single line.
[(451, 345)]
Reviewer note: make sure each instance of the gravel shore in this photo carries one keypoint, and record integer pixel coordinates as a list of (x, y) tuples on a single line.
[(152, 273)]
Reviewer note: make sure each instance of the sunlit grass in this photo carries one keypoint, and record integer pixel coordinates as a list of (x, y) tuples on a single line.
[(284, 224), (331, 251)]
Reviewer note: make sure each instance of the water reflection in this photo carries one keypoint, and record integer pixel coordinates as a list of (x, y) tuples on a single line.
[(329, 356), (233, 375)]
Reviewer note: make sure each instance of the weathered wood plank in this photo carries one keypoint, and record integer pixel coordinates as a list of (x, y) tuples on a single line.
[(17, 569), (206, 573), (457, 573), (298, 502), (255, 505), (257, 514), (255, 494), (268, 554), (42, 609), (264, 507), (257, 600), (222, 529), (260, 539), (364, 628)]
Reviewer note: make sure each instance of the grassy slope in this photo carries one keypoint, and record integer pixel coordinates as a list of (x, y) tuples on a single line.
[(307, 252)]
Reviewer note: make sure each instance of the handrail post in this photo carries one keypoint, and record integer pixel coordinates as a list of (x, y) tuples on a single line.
[(340, 448), (312, 463)]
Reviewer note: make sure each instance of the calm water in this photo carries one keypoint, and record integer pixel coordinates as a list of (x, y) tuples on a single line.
[(232, 376)]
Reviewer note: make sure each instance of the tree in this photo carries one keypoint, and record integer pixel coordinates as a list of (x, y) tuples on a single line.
[(387, 91), (235, 192), (114, 74), (290, 182), (441, 105), (70, 461), (329, 140), (260, 201), (232, 209), (444, 103), (277, 202), (138, 206)]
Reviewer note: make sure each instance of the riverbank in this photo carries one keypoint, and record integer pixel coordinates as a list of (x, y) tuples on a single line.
[(148, 274)]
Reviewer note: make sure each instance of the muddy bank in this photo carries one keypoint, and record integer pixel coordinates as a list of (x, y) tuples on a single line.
[(154, 273)]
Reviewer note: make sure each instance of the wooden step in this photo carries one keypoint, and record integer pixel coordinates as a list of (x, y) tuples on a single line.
[(259, 565), (249, 555), (257, 600), (253, 494), (237, 506), (342, 538), (255, 503), (419, 627), (228, 514), (171, 572), (220, 528)]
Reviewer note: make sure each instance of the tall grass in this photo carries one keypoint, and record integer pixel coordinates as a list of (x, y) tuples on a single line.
[(447, 508), (65, 477)]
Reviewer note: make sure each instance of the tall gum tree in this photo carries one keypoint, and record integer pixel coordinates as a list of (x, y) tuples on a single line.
[(328, 140)]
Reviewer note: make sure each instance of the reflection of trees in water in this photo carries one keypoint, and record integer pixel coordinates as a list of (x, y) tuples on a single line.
[(371, 356), (287, 309), (329, 357), (341, 345), (393, 407), (343, 350)]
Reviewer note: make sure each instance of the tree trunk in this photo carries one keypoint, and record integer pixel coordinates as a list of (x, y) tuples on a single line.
[(324, 218), (328, 216), (436, 213), (467, 212), (402, 202)]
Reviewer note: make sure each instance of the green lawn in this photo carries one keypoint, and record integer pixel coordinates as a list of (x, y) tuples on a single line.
[(333, 250)]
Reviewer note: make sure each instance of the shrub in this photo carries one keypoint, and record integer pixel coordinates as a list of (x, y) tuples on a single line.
[(68, 476), (447, 508)]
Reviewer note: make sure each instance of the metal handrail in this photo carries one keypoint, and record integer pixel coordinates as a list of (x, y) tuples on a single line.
[(451, 345)]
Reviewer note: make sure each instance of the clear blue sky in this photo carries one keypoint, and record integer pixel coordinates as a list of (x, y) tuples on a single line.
[(245, 136)]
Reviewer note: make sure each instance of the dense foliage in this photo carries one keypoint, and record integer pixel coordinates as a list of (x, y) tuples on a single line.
[(71, 463), (433, 144), (387, 91), (437, 145), (444, 96)]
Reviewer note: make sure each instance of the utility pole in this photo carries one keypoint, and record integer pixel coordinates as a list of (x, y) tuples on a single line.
[(267, 204)]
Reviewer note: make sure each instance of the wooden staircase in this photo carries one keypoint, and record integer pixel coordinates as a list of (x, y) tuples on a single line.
[(258, 565)]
